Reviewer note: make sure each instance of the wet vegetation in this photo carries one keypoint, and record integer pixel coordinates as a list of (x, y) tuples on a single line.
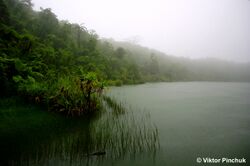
[(65, 66), (77, 96), (117, 107), (50, 139), (52, 70), (48, 64)]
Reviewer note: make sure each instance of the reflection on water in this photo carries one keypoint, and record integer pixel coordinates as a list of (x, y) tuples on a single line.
[(107, 138)]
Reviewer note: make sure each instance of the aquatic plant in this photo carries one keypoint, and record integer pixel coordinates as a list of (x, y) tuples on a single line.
[(86, 141), (117, 107), (77, 96)]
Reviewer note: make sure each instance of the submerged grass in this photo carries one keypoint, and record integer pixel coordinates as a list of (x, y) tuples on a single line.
[(117, 107), (127, 135), (71, 141)]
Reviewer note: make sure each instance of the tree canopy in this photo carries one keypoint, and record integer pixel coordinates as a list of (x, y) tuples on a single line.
[(40, 56)]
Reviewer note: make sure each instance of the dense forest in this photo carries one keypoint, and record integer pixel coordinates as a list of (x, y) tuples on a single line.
[(59, 63)]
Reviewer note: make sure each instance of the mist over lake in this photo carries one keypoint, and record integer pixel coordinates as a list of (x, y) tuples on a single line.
[(195, 119), (114, 82), (165, 123)]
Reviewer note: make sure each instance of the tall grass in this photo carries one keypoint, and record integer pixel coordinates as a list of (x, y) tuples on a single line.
[(74, 96), (125, 135), (117, 107)]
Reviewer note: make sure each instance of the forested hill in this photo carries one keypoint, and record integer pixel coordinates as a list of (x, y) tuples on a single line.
[(172, 68), (39, 52)]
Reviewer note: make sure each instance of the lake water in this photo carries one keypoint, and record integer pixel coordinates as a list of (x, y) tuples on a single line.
[(195, 119), (164, 124)]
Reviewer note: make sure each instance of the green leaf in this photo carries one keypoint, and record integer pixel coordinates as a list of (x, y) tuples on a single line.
[(17, 78)]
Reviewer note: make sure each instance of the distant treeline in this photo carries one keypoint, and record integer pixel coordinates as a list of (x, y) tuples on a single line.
[(157, 66), (40, 54)]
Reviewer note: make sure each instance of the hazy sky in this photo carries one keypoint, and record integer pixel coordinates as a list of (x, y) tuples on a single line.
[(188, 28)]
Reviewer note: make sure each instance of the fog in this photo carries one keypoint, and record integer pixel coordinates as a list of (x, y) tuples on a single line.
[(187, 28)]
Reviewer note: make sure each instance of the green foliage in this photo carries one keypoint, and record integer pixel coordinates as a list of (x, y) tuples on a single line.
[(75, 96), (117, 107), (30, 87), (4, 13), (59, 64)]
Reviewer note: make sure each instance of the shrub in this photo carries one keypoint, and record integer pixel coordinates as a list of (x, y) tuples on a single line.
[(76, 96)]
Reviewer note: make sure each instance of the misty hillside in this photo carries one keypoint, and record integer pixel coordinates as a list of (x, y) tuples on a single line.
[(185, 69), (37, 50)]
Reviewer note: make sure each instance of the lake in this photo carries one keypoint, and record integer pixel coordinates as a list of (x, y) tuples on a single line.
[(195, 119), (163, 124)]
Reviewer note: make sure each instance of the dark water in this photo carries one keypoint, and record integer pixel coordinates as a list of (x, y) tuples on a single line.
[(165, 124), (31, 136)]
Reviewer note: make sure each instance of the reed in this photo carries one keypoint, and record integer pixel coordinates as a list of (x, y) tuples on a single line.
[(117, 107), (110, 136)]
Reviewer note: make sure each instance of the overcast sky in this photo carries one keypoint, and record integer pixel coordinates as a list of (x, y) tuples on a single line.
[(188, 28)]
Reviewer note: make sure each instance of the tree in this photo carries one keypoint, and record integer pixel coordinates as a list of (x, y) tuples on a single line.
[(120, 52), (4, 13), (46, 23), (154, 65)]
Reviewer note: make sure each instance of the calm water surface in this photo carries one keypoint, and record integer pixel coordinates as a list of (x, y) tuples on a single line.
[(166, 124), (196, 119)]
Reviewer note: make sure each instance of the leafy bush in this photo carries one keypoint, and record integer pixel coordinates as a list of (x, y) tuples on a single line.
[(76, 96)]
